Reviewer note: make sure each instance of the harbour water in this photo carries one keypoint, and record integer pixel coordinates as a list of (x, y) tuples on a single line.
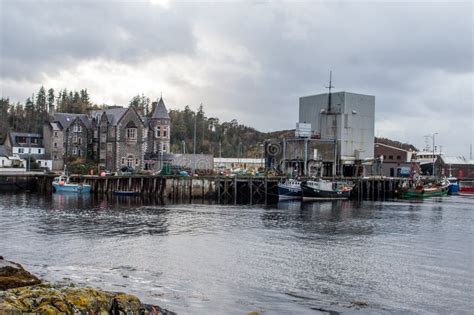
[(286, 258)]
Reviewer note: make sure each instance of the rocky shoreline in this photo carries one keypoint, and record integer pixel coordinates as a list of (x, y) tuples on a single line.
[(23, 292)]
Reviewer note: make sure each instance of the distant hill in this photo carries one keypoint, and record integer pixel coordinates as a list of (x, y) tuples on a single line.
[(397, 144)]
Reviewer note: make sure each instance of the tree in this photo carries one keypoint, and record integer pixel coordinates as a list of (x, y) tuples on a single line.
[(4, 124), (40, 110), (30, 114), (50, 100)]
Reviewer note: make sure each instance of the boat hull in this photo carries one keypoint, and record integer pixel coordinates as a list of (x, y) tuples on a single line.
[(286, 192), (443, 191), (314, 193), (74, 188)]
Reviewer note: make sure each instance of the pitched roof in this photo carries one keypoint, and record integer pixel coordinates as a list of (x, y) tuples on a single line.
[(3, 151), (66, 119), (13, 135), (454, 160), (160, 111), (113, 114)]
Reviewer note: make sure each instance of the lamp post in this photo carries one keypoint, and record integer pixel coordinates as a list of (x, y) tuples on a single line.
[(194, 144), (433, 136)]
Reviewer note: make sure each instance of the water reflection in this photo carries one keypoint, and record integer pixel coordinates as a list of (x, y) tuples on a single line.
[(318, 218), (90, 216)]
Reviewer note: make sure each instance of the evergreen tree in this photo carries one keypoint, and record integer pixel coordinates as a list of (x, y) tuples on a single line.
[(4, 123), (40, 109), (50, 99), (30, 114)]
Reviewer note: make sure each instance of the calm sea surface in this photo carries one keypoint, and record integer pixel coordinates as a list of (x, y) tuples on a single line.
[(287, 258)]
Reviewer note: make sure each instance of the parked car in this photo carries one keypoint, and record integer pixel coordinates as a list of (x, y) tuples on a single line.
[(127, 170)]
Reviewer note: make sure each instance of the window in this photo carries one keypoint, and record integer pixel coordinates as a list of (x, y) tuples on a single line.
[(123, 161), (77, 128), (79, 152), (20, 150), (390, 157), (79, 141), (55, 145), (131, 133), (399, 157), (74, 151), (34, 140), (164, 147), (39, 151), (164, 131), (103, 137), (74, 139), (136, 161), (109, 147), (55, 157), (55, 134), (158, 131)]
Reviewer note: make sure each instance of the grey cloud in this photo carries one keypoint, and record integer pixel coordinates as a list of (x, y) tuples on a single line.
[(46, 36)]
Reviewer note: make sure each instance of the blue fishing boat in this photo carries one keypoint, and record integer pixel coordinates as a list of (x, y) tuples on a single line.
[(289, 189), (62, 184)]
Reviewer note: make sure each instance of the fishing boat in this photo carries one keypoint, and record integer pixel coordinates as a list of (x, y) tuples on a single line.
[(291, 188), (425, 190), (453, 188), (466, 188), (125, 193), (322, 189), (62, 184)]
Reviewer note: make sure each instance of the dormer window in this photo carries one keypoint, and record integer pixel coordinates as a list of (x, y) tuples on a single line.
[(77, 128)]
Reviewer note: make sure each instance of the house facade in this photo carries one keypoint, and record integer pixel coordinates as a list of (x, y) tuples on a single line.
[(28, 147), (115, 138), (67, 136)]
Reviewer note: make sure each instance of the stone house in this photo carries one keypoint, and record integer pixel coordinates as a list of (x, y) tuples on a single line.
[(124, 137), (66, 136), (115, 137)]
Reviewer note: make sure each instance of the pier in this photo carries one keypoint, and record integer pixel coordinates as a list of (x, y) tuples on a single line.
[(222, 189)]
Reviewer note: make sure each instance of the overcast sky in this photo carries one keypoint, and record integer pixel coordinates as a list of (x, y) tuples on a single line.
[(253, 60)]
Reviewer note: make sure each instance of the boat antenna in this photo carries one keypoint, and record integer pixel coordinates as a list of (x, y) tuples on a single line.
[(329, 87)]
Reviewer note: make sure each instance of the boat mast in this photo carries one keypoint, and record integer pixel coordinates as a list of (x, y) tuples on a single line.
[(334, 168), (329, 87)]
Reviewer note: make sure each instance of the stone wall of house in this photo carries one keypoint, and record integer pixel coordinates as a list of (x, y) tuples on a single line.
[(130, 149), (77, 137), (53, 141), (159, 135)]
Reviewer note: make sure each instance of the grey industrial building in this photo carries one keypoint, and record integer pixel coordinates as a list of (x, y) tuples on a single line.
[(348, 120)]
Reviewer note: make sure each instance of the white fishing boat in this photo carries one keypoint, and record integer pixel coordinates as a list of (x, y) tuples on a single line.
[(62, 184)]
